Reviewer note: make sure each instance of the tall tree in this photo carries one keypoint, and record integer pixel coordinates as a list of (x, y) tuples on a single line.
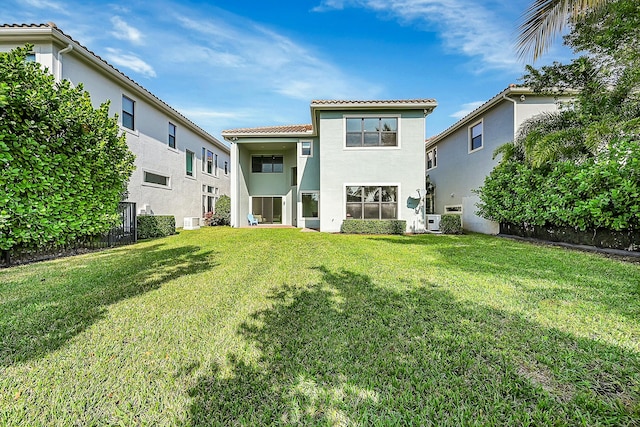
[(64, 165), (546, 19)]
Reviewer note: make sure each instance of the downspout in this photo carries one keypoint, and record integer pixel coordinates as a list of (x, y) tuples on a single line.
[(67, 49), (515, 108)]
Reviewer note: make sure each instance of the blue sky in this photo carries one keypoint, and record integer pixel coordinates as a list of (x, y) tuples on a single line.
[(228, 64)]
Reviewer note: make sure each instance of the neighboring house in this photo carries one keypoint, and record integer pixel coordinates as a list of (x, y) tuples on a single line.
[(459, 159), (180, 169), (358, 159)]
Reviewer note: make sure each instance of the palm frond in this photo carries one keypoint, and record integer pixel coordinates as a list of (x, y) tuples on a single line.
[(546, 19)]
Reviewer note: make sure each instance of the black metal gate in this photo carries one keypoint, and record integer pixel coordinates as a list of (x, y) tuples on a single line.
[(125, 232)]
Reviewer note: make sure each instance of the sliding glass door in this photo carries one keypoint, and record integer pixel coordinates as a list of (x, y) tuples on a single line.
[(268, 210)]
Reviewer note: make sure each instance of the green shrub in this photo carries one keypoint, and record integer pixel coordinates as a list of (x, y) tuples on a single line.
[(451, 224), (64, 165), (222, 216), (370, 226), (151, 226)]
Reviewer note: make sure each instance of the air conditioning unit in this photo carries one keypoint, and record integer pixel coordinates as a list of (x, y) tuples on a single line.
[(433, 222), (191, 223)]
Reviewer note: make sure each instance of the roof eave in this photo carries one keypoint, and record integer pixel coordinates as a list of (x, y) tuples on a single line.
[(46, 32), (478, 111)]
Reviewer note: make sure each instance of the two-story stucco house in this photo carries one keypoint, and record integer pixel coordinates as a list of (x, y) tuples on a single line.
[(180, 169), (357, 159), (459, 159)]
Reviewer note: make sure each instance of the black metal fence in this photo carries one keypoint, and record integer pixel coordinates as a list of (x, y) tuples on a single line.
[(124, 233)]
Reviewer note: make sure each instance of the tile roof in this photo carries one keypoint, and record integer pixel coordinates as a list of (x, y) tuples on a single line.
[(296, 129), (53, 26), (370, 102)]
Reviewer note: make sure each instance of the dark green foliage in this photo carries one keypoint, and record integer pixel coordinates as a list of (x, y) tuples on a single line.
[(601, 192), (579, 167), (152, 226), (222, 216), (63, 165), (451, 224), (370, 226)]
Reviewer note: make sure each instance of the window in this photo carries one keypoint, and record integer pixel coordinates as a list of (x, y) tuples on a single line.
[(204, 156), (475, 137), (372, 202), (172, 135), (267, 164), (226, 168), (306, 148), (372, 132), (209, 162), (189, 156), (153, 178), (215, 165), (432, 158), (294, 176), (30, 57), (128, 113), (310, 205)]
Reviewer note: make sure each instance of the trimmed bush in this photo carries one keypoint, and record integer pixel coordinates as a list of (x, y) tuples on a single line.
[(151, 226), (451, 224), (222, 216), (371, 226)]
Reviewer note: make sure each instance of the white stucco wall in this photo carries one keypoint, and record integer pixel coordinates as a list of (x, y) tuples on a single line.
[(184, 197), (460, 172), (401, 166)]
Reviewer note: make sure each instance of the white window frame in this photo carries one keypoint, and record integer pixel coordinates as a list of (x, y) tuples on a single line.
[(193, 164), (371, 184), (370, 116), (302, 206), (453, 209), (175, 137), (302, 142), (132, 114), (469, 139), (152, 184), (434, 151)]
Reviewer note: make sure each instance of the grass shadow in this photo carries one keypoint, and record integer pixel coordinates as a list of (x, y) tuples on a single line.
[(345, 351), (51, 303)]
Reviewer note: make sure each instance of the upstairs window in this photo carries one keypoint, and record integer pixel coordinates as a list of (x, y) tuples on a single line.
[(432, 158), (189, 156), (306, 148), (172, 135), (226, 168), (475, 137), (372, 132), (267, 164), (209, 162), (128, 113)]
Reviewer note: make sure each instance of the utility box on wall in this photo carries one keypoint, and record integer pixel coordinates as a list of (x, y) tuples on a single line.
[(191, 223), (433, 222)]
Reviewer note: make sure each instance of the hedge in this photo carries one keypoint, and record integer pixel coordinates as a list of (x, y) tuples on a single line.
[(151, 226), (451, 224), (371, 226)]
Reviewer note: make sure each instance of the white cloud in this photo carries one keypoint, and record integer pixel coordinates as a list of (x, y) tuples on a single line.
[(466, 109), (45, 4), (244, 50), (124, 31), (130, 61), (465, 26)]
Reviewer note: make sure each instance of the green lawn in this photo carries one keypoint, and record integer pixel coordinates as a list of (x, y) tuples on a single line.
[(273, 326)]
